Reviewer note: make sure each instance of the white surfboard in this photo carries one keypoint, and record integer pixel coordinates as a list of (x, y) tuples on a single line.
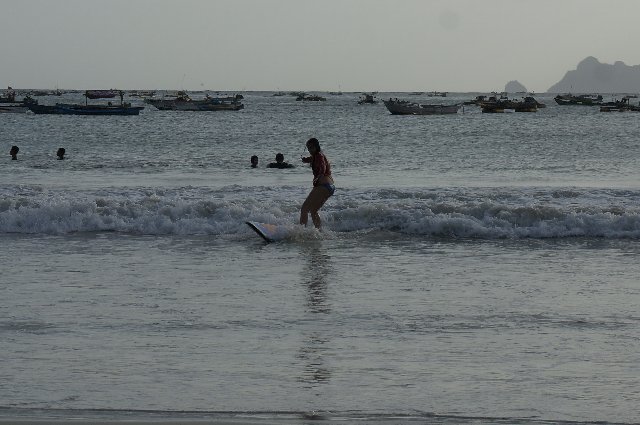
[(270, 232)]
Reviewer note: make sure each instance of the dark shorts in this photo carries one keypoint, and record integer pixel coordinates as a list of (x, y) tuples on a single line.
[(331, 188)]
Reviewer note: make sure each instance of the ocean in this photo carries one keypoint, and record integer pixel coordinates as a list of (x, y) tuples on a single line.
[(472, 269)]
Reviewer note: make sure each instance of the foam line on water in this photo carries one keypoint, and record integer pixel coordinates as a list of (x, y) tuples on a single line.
[(452, 213)]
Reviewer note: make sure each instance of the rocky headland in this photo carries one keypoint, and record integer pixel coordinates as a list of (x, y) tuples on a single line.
[(591, 76)]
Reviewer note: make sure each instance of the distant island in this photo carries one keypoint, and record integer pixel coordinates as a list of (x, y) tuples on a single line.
[(591, 76), (515, 87)]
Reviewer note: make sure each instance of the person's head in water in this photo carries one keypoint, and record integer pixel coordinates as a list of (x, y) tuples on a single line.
[(14, 152), (313, 146), (279, 158), (60, 153), (254, 161)]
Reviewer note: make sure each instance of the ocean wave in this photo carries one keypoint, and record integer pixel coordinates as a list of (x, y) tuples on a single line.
[(491, 221), (481, 214)]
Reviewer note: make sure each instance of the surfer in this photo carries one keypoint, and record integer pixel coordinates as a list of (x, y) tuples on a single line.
[(280, 162), (323, 186), (60, 153), (254, 161)]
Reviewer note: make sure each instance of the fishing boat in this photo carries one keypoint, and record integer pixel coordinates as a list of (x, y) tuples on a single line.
[(17, 106), (367, 98), (311, 97), (100, 94), (142, 93), (13, 108), (124, 108), (619, 106), (182, 102), (495, 105), (9, 104), (582, 99), (8, 97), (404, 107), (477, 101), (78, 109)]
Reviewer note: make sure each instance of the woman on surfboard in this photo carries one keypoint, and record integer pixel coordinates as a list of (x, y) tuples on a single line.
[(323, 186)]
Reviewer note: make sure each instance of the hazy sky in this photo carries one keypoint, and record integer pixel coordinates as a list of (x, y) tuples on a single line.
[(349, 45)]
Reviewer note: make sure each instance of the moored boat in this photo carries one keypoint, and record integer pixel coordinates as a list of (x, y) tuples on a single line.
[(477, 101), (13, 108), (619, 106), (311, 97), (182, 102), (100, 94), (142, 93), (495, 105), (9, 104), (404, 107), (123, 108), (79, 109), (8, 97), (581, 99), (367, 98)]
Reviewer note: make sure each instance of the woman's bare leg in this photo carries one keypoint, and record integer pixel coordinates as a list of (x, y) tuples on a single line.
[(315, 200)]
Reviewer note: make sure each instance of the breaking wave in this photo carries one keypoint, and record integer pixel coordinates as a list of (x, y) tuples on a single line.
[(447, 213)]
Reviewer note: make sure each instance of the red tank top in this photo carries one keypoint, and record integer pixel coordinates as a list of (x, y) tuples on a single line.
[(320, 166)]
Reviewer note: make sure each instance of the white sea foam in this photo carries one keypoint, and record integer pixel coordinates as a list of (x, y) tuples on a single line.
[(449, 213)]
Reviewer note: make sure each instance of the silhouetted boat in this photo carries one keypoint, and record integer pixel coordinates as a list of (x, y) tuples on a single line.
[(13, 108), (8, 97), (311, 97), (581, 99), (495, 105), (100, 94), (142, 93), (9, 104), (367, 98), (78, 109), (477, 101), (403, 107), (619, 106), (182, 102)]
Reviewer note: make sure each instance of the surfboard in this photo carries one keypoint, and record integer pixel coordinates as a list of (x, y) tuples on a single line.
[(270, 232)]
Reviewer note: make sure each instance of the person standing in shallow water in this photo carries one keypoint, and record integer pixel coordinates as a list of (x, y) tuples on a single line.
[(60, 153), (323, 186)]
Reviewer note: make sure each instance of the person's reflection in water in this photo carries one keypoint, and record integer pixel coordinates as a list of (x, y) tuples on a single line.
[(314, 276)]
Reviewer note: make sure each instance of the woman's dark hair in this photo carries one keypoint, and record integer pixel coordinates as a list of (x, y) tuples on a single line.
[(314, 142), (254, 158)]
